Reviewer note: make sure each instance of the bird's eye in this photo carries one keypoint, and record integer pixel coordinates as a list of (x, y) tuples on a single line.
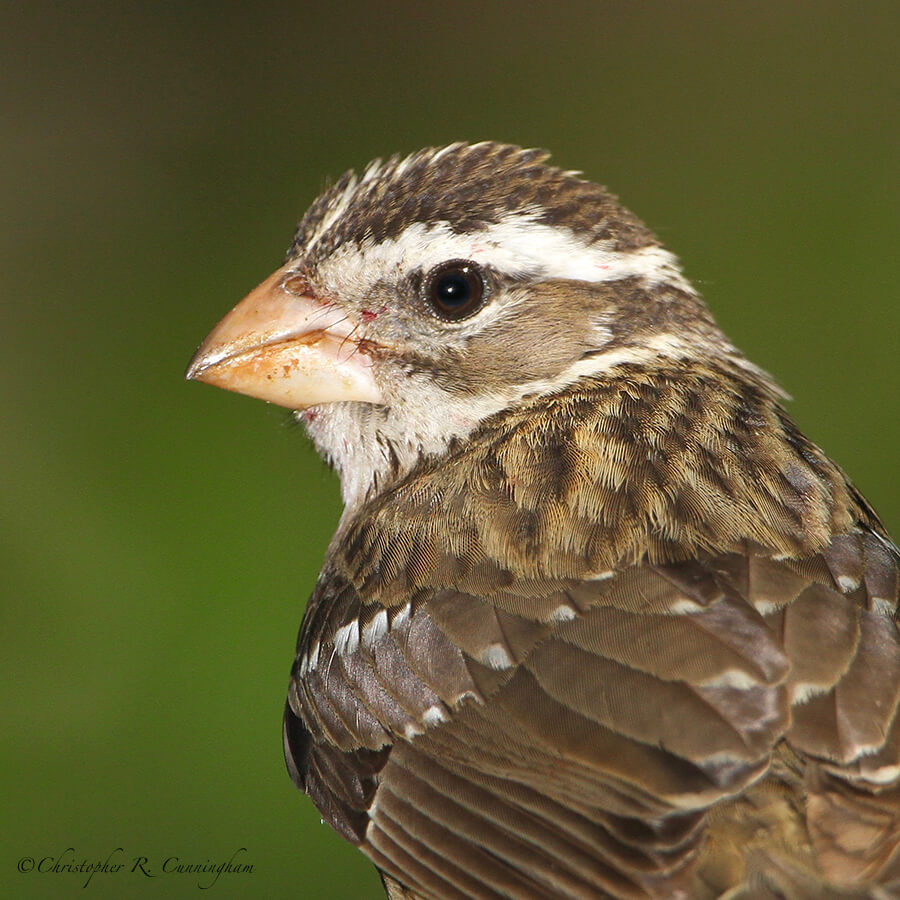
[(455, 289)]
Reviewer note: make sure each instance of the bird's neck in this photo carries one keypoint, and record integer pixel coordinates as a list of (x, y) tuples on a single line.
[(373, 448), (647, 462)]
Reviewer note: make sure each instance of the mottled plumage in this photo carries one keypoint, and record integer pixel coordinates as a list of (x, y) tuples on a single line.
[(599, 620)]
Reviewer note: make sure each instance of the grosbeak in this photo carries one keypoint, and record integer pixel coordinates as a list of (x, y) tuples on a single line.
[(598, 619)]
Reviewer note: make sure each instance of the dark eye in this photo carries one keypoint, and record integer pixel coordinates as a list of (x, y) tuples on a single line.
[(455, 289)]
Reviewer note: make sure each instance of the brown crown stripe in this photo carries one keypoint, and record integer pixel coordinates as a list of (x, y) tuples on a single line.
[(468, 186)]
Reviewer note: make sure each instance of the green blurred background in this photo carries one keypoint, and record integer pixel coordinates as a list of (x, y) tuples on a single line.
[(159, 538)]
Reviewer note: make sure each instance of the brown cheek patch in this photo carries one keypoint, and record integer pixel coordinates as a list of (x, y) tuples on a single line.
[(549, 329)]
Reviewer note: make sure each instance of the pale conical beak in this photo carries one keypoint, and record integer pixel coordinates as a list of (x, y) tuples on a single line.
[(281, 345)]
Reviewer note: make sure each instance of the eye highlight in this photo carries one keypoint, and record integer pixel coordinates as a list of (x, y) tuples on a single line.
[(455, 290)]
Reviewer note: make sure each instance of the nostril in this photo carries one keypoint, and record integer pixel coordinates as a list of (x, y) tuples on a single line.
[(296, 283)]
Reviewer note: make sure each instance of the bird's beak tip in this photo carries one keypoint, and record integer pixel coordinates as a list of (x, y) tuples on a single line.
[(196, 366), (192, 370)]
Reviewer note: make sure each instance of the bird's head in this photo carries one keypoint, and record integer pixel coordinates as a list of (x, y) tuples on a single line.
[(437, 290)]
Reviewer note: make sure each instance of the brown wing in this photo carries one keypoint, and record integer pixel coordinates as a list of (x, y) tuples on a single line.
[(586, 739)]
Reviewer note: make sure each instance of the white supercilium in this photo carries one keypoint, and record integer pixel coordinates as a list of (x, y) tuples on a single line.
[(518, 245)]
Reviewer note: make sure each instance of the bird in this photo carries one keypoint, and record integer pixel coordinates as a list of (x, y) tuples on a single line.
[(598, 620)]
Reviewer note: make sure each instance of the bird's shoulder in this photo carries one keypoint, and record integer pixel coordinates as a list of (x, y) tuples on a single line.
[(647, 463)]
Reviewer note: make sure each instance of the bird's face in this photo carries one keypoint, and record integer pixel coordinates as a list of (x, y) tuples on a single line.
[(435, 291)]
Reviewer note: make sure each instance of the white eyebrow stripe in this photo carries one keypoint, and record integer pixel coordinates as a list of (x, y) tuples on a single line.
[(517, 245)]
